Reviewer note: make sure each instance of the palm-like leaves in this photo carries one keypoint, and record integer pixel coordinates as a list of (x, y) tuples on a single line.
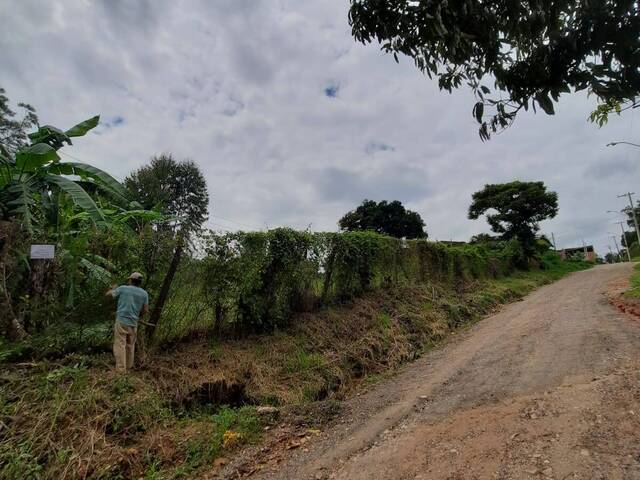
[(79, 196), (36, 171), (103, 180)]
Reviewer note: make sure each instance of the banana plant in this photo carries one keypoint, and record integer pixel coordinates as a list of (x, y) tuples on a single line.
[(35, 173)]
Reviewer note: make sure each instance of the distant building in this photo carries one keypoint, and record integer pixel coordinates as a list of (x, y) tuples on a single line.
[(588, 252)]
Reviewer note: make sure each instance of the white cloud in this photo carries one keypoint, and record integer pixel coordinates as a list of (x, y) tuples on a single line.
[(239, 86)]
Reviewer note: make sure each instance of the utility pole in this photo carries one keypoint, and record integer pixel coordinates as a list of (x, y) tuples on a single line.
[(633, 213), (617, 249), (611, 252), (553, 239), (624, 239)]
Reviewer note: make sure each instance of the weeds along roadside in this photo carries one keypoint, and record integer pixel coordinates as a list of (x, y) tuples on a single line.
[(73, 418), (252, 282)]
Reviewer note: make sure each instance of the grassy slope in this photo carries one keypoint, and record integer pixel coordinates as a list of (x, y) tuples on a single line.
[(634, 286), (76, 417)]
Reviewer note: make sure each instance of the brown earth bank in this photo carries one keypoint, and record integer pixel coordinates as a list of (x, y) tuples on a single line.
[(547, 388)]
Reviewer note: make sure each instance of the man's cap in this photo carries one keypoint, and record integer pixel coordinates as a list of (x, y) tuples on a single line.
[(135, 276)]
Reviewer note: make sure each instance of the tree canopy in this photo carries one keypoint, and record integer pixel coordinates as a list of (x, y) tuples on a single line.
[(518, 207), (13, 132), (177, 188), (512, 55), (389, 218)]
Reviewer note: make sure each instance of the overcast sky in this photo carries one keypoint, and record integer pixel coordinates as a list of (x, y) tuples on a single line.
[(292, 122)]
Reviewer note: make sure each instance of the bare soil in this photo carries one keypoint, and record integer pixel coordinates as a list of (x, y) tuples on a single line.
[(546, 388)]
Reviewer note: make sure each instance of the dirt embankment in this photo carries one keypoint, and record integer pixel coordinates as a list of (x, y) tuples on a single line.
[(547, 388)]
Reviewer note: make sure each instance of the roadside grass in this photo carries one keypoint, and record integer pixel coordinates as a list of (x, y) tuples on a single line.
[(634, 284), (76, 422), (76, 418)]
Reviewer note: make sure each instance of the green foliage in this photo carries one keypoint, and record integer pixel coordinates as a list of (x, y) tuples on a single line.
[(532, 52), (131, 415), (243, 423), (79, 208), (302, 361), (20, 463), (13, 132), (83, 127), (176, 188), (35, 175), (258, 281), (634, 288), (73, 373), (519, 207), (384, 321), (552, 263), (386, 218), (59, 340)]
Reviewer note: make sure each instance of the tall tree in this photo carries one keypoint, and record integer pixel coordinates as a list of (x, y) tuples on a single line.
[(388, 218), (513, 55), (13, 132), (514, 210), (178, 189)]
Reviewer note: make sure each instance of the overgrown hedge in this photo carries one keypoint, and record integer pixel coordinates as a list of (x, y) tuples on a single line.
[(256, 281)]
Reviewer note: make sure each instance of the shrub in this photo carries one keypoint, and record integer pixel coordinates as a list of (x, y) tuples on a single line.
[(257, 281)]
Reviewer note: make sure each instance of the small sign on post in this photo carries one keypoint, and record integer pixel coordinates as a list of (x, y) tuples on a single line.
[(42, 251)]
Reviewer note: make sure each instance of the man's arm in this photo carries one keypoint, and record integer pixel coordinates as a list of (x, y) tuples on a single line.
[(112, 288)]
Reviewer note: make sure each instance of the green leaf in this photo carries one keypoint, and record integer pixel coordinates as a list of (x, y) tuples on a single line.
[(50, 135), (5, 157), (478, 111), (102, 178), (31, 158), (19, 199), (96, 272), (83, 127), (78, 195), (545, 103)]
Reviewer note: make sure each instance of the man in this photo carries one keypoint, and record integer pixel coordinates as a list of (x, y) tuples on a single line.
[(133, 303)]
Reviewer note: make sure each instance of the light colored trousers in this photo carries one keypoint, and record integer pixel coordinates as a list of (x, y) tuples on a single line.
[(124, 344)]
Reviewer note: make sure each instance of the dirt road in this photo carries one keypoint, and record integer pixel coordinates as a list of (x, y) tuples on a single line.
[(547, 388)]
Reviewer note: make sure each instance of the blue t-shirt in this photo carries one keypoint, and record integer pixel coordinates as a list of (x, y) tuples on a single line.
[(130, 302)]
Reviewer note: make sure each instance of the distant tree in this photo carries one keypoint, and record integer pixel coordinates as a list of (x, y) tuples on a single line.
[(13, 132), (388, 218), (611, 257), (518, 207), (513, 55), (179, 190), (629, 237)]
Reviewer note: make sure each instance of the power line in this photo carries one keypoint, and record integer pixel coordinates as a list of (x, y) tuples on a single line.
[(82, 161), (233, 221)]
